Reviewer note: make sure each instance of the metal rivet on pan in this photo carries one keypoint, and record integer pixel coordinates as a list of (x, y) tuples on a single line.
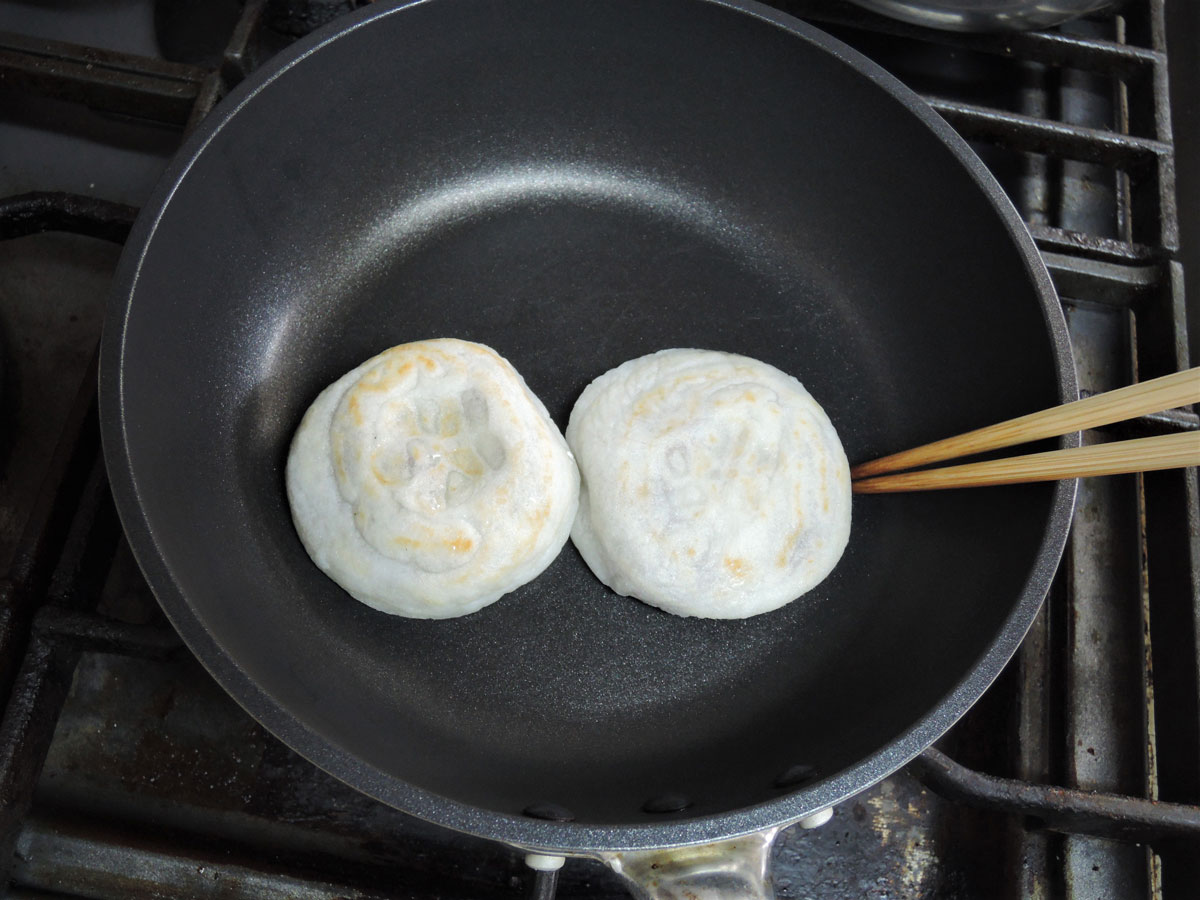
[(796, 776), (666, 803), (550, 811)]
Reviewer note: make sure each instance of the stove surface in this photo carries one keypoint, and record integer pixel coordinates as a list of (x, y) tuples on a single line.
[(126, 771)]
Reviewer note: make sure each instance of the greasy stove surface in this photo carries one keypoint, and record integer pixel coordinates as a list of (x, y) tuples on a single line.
[(125, 771)]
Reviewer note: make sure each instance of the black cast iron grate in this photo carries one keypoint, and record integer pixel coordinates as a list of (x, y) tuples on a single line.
[(1085, 113)]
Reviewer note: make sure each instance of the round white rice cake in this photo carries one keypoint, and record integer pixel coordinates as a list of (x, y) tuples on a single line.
[(713, 485), (430, 481)]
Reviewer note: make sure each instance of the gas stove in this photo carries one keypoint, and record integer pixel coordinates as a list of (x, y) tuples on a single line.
[(125, 771)]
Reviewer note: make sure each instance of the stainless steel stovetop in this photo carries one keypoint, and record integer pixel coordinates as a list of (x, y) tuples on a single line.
[(126, 772)]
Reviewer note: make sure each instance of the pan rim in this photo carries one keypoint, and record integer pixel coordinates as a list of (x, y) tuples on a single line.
[(323, 750)]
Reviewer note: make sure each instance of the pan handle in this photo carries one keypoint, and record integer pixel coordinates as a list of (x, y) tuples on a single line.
[(728, 870)]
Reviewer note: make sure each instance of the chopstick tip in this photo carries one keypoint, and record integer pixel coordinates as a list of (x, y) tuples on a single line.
[(860, 471)]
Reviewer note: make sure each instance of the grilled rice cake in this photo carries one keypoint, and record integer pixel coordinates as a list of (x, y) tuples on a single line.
[(430, 481), (713, 485)]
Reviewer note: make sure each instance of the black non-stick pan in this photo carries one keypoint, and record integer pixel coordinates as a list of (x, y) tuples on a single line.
[(576, 184)]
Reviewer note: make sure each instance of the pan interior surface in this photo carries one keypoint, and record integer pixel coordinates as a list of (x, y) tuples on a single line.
[(576, 185)]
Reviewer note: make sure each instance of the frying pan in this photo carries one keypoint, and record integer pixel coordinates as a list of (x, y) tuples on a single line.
[(576, 184)]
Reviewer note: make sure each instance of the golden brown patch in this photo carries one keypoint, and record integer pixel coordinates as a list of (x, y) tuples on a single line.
[(691, 551), (379, 472), (643, 490), (647, 400), (737, 566), (459, 544), (467, 461), (538, 520), (488, 351), (450, 423), (382, 378), (789, 545), (355, 409), (339, 461)]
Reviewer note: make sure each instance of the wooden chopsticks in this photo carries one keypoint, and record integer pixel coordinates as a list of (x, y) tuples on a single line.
[(1140, 455)]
